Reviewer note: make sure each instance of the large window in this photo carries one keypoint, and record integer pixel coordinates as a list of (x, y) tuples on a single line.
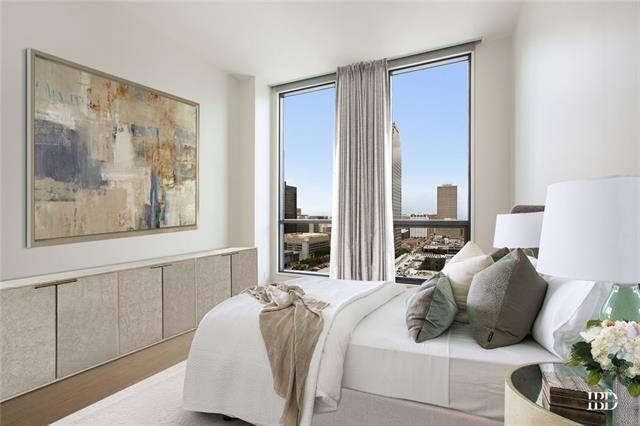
[(431, 169), (430, 135), (306, 138)]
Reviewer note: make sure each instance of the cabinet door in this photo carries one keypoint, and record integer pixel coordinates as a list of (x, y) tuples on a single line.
[(27, 339), (87, 323), (244, 271), (213, 283), (179, 297), (139, 308)]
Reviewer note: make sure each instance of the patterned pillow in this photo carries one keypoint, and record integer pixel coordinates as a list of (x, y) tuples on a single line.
[(431, 310), (504, 301)]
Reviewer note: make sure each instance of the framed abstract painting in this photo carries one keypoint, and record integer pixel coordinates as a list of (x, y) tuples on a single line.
[(107, 157)]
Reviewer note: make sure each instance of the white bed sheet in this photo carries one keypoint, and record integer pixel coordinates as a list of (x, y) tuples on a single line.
[(450, 371)]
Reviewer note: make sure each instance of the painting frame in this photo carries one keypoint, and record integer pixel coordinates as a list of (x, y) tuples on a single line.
[(31, 241)]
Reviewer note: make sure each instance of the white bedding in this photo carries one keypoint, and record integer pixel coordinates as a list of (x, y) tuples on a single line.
[(451, 370), (228, 370)]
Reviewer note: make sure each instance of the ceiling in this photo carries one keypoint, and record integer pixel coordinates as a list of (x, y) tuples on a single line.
[(280, 42)]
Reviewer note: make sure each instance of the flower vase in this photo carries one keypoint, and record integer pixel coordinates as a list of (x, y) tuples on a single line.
[(627, 412)]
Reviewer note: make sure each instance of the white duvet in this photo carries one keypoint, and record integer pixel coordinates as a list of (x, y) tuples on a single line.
[(228, 370)]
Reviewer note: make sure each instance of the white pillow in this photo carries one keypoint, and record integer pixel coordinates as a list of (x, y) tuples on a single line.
[(460, 275), (469, 250), (567, 307)]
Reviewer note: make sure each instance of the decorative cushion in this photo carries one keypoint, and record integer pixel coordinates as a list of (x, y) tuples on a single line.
[(499, 254), (431, 310), (460, 275), (567, 307), (504, 301), (418, 304), (469, 250)]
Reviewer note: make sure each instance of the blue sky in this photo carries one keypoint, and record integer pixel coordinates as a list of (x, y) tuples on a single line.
[(430, 108), (308, 148)]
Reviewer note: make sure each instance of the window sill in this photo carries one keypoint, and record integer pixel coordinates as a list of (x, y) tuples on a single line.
[(288, 275)]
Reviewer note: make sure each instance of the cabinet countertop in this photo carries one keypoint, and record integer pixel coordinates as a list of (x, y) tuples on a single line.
[(79, 273)]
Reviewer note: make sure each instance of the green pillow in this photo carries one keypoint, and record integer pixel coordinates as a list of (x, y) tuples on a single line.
[(431, 310), (504, 300), (499, 254), (418, 304)]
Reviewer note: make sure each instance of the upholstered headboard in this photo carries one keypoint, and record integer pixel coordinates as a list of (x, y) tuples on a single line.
[(524, 208)]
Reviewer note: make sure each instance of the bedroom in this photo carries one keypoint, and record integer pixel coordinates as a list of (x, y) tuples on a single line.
[(396, 144)]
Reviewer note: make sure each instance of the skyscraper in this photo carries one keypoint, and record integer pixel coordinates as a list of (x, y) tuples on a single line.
[(447, 201), (396, 182), (290, 207), (448, 209)]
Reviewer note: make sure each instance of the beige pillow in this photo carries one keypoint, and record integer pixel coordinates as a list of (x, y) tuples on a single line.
[(460, 275), (469, 250)]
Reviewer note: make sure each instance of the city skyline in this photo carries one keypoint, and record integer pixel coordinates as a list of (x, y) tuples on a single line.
[(430, 109), (419, 251), (446, 204)]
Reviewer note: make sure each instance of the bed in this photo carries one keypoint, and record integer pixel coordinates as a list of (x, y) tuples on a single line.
[(450, 371), (367, 368)]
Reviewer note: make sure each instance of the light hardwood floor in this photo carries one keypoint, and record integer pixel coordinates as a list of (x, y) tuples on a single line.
[(57, 400)]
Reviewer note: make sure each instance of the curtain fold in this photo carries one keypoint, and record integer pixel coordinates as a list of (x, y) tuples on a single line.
[(362, 245)]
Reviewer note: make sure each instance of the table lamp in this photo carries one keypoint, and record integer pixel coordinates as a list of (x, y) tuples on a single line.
[(521, 230), (591, 231)]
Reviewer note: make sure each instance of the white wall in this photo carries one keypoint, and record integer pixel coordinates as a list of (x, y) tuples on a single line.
[(250, 167), (1, 126), (241, 161), (265, 166), (577, 94), (99, 36), (493, 169)]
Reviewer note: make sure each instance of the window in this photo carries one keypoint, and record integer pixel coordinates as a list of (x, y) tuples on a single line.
[(431, 167), (430, 137), (306, 137)]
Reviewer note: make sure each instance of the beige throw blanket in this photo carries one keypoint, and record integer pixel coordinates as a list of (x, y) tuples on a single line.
[(290, 324)]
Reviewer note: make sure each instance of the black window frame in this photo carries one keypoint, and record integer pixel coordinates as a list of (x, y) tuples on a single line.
[(329, 83), (329, 80), (440, 224)]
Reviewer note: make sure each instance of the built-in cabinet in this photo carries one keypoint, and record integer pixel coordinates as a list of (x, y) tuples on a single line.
[(179, 297), (213, 283), (53, 328), (87, 316), (139, 308), (27, 339), (244, 274)]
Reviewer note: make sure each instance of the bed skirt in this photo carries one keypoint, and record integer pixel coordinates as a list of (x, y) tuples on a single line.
[(361, 408)]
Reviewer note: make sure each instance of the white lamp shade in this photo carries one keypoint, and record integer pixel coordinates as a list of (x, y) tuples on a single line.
[(521, 230), (591, 230)]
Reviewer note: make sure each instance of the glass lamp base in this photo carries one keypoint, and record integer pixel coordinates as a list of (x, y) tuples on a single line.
[(622, 304)]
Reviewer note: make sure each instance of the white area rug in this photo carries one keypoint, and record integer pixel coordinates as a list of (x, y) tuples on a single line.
[(153, 401)]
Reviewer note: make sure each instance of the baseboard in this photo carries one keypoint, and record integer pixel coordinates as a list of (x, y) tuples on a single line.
[(57, 400)]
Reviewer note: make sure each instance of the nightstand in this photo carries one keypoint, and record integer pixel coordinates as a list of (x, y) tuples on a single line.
[(522, 399)]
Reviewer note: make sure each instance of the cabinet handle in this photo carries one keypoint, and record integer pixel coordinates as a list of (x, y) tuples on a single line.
[(51, 284), (161, 266), (230, 254)]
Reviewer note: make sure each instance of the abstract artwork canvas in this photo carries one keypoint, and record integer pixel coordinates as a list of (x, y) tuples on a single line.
[(108, 157)]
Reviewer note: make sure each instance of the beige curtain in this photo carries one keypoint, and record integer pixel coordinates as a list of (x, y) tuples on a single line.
[(362, 225)]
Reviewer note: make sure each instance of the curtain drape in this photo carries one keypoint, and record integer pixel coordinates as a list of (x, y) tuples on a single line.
[(362, 245)]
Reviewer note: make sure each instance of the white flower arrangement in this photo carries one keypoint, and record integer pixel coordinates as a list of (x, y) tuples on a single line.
[(611, 349)]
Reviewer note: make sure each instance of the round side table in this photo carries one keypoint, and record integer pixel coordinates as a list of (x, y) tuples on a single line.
[(521, 395)]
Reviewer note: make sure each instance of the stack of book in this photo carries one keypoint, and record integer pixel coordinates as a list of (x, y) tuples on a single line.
[(567, 394)]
